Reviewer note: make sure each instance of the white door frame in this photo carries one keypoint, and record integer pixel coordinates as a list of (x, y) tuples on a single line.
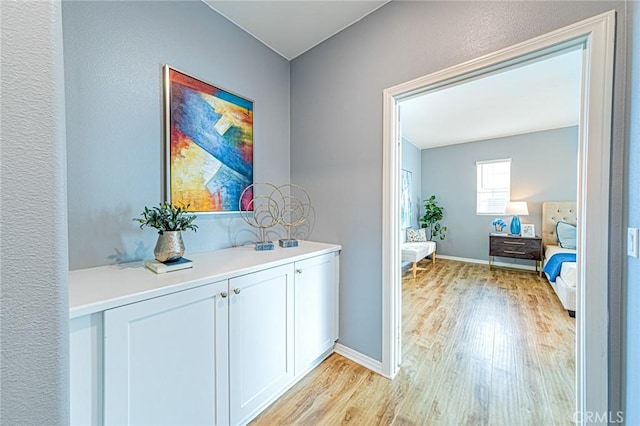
[(597, 36)]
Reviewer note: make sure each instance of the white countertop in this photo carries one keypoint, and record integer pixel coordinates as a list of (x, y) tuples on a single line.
[(97, 289)]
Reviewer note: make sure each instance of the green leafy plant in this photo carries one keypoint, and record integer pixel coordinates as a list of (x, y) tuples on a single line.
[(432, 217), (167, 217)]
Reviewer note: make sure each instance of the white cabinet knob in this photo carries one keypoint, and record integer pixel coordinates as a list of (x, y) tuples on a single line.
[(237, 290)]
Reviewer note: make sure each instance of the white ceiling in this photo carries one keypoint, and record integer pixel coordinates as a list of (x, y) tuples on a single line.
[(292, 27), (540, 96)]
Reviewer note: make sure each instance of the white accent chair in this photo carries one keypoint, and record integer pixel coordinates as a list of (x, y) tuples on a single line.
[(415, 252)]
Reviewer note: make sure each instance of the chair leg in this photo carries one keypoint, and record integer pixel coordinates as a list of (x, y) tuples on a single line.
[(433, 258), (415, 269)]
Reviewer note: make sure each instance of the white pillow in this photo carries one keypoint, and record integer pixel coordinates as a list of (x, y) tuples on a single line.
[(416, 235)]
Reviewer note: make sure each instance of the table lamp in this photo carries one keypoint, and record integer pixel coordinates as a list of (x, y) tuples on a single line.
[(516, 208)]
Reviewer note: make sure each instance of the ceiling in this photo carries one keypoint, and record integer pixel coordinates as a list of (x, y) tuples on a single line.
[(290, 28), (539, 96)]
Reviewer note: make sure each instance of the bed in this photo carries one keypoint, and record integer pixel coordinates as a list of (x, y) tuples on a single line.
[(560, 266)]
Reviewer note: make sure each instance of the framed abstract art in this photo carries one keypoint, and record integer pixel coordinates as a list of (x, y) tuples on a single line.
[(209, 145), (405, 199)]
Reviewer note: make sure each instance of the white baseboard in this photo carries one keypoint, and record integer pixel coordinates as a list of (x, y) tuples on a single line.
[(359, 358), (486, 262)]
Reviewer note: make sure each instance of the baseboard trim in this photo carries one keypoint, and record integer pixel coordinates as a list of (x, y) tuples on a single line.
[(359, 358), (486, 262)]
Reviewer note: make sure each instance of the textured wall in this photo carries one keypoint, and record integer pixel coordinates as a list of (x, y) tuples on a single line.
[(543, 168), (336, 129), (412, 161), (114, 52), (632, 288), (34, 357)]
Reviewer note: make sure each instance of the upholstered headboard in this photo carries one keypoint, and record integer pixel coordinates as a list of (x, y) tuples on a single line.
[(552, 213)]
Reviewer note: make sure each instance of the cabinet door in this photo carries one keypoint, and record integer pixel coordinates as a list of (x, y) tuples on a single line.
[(316, 309), (260, 339), (166, 359), (85, 378)]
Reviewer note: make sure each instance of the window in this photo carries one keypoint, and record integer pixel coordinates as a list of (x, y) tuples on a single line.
[(494, 186)]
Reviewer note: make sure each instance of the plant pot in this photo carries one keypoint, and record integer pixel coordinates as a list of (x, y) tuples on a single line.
[(169, 247)]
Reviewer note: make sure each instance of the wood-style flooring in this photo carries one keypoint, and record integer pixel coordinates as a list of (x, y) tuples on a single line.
[(480, 347)]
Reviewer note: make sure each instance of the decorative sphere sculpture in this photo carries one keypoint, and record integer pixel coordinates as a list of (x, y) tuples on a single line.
[(295, 208), (288, 205), (262, 211)]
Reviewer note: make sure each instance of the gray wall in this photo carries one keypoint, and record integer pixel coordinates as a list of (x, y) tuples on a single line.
[(34, 313), (113, 55), (412, 161), (543, 168), (631, 295), (336, 130)]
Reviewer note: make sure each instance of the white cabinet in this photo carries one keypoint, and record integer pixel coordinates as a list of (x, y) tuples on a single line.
[(260, 339), (85, 360), (165, 360), (215, 344), (316, 309)]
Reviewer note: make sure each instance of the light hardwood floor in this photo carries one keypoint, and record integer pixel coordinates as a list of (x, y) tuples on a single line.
[(480, 348)]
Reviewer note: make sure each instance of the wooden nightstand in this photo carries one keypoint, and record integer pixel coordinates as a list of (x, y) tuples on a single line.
[(517, 248)]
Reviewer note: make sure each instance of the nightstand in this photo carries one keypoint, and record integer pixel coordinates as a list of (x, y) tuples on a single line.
[(516, 247)]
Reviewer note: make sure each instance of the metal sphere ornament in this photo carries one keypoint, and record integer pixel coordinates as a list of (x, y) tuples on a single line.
[(295, 208), (262, 211)]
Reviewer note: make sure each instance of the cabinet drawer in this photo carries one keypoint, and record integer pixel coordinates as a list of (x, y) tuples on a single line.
[(520, 248)]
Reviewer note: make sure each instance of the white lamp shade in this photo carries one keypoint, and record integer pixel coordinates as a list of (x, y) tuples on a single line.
[(517, 208)]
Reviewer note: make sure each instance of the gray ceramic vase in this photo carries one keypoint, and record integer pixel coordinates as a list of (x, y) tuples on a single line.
[(169, 247)]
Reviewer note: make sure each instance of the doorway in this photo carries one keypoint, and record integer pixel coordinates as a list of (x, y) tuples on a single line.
[(596, 37)]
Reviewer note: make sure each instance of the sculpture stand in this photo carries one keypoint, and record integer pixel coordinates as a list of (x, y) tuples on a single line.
[(262, 212), (265, 245), (295, 209), (288, 243)]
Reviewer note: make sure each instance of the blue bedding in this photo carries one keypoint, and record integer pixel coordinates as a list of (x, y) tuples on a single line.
[(554, 264)]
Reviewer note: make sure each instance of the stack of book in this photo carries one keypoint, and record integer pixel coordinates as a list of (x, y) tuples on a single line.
[(175, 265)]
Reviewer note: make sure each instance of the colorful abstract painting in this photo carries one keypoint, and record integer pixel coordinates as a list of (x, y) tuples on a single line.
[(209, 134)]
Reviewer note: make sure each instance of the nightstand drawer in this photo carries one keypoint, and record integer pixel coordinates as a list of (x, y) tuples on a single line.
[(515, 247)]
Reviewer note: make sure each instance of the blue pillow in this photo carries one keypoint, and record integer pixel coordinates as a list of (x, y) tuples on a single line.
[(566, 233)]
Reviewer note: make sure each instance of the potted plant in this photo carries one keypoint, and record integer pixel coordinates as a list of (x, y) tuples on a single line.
[(432, 217), (170, 220)]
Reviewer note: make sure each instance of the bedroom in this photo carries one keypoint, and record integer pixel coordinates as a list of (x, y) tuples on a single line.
[(543, 167)]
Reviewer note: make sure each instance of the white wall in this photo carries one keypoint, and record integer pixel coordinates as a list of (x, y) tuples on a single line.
[(34, 329)]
